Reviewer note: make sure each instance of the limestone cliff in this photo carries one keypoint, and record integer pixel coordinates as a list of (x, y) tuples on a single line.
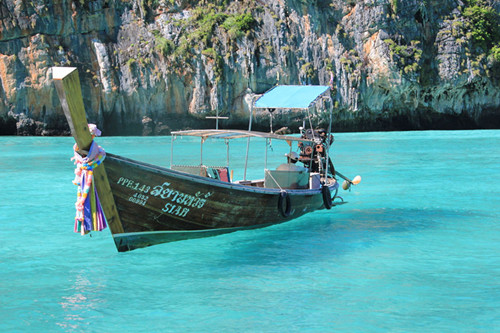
[(149, 66)]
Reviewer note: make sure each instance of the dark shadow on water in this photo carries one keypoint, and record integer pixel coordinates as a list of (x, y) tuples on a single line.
[(326, 234)]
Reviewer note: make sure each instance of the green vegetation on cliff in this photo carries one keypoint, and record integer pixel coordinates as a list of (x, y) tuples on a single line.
[(482, 28), (482, 24), (198, 32)]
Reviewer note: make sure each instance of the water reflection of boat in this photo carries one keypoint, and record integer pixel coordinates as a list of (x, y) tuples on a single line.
[(147, 204)]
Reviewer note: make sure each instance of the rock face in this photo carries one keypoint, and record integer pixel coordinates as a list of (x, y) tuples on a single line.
[(151, 66)]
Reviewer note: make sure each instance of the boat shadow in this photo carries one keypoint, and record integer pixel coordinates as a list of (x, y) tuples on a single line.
[(323, 234)]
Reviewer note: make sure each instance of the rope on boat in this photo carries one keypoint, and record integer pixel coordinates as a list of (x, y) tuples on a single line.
[(275, 181), (89, 215)]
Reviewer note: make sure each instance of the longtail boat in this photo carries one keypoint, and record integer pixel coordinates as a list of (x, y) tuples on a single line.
[(145, 204)]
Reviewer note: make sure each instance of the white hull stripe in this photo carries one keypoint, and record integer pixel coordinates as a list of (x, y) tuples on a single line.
[(143, 233)]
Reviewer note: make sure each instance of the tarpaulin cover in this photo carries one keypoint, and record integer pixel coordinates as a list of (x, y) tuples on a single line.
[(290, 97)]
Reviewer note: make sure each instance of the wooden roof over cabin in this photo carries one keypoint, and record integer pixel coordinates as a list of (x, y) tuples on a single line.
[(237, 134)]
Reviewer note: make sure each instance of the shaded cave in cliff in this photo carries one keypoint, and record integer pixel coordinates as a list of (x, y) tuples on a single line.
[(8, 126), (425, 119)]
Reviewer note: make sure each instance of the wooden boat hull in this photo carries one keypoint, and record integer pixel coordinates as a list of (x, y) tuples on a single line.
[(158, 205)]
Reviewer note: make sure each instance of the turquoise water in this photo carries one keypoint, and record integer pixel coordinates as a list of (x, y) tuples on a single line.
[(416, 249)]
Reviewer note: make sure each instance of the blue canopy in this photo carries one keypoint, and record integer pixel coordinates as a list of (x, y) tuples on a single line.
[(290, 97)]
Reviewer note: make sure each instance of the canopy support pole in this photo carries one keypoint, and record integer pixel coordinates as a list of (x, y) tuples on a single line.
[(172, 138), (248, 140), (327, 155), (227, 152), (267, 147), (201, 152)]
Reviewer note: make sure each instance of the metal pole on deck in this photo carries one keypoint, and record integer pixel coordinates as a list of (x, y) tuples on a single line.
[(267, 144), (201, 151), (227, 152), (216, 119), (171, 150), (328, 142), (248, 141)]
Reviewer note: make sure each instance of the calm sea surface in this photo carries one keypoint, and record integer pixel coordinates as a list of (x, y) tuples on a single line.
[(416, 249)]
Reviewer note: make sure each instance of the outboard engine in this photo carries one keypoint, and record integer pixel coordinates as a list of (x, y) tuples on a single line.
[(313, 154)]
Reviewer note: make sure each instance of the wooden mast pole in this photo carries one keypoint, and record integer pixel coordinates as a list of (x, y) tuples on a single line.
[(67, 83)]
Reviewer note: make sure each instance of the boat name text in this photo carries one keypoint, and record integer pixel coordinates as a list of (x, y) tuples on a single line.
[(184, 201), (179, 203)]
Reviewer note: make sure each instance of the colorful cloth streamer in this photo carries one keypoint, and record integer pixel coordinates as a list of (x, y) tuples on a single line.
[(89, 215)]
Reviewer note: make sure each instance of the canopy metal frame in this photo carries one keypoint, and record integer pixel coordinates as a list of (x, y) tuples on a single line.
[(298, 98), (279, 97)]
